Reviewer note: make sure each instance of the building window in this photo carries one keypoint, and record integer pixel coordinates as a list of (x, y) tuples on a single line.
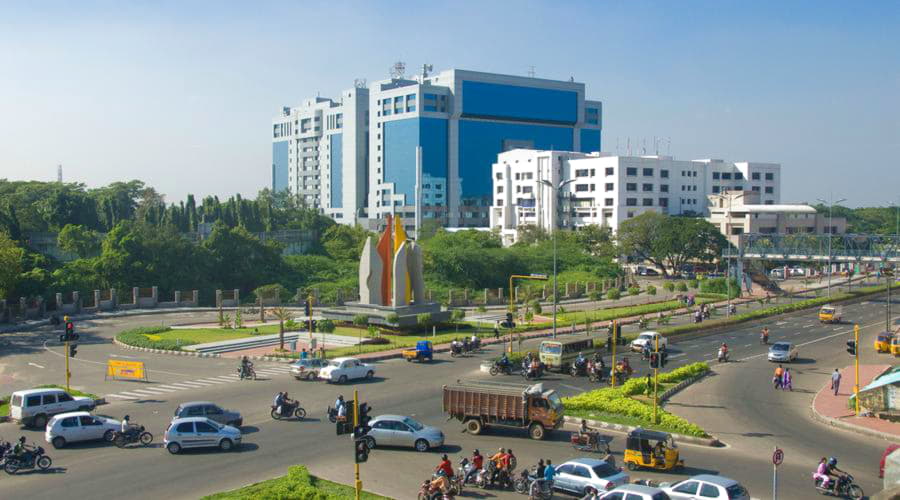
[(631, 186), (499, 176), (715, 189), (770, 190), (581, 188), (609, 170), (726, 176), (592, 116), (593, 187), (648, 172), (499, 189), (664, 202), (755, 189), (581, 173), (663, 188), (664, 174), (631, 171), (648, 202), (608, 202), (647, 187), (755, 176), (526, 189), (770, 176), (738, 176), (716, 175), (609, 186), (631, 202), (739, 188), (499, 202)]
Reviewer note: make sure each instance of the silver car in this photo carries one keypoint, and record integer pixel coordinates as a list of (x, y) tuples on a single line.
[(588, 476), (308, 369), (397, 430), (200, 432), (706, 486), (785, 352), (209, 410)]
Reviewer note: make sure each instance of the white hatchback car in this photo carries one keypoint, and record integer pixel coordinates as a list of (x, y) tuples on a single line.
[(341, 370), (78, 426), (635, 492), (200, 432), (649, 338)]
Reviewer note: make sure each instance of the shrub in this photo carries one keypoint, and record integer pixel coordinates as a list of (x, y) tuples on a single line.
[(669, 286), (457, 315), (376, 341), (138, 337), (325, 326), (613, 294), (360, 320), (392, 318), (720, 286), (423, 319), (536, 306), (694, 284), (651, 290), (595, 295), (291, 325), (481, 308), (634, 290), (681, 287)]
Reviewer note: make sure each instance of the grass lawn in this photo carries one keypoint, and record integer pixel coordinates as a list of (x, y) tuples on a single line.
[(297, 484), (4, 406), (398, 341), (73, 392)]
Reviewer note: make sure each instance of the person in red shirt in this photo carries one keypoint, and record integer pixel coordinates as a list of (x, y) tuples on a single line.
[(445, 466), (477, 463), (445, 472)]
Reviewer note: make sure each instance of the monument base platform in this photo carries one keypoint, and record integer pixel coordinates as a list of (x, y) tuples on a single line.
[(407, 315)]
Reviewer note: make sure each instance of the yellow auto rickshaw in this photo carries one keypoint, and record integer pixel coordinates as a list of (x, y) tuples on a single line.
[(652, 450), (883, 342), (830, 314), (895, 345)]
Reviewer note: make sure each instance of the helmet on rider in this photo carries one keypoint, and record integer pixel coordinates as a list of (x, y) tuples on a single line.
[(832, 462), (476, 452), (22, 439)]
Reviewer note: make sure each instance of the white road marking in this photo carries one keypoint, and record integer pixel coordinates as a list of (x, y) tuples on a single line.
[(127, 393), (192, 385), (148, 392), (121, 356), (35, 364), (211, 381), (168, 387), (748, 345), (781, 323), (161, 388), (807, 326), (120, 396), (677, 355)]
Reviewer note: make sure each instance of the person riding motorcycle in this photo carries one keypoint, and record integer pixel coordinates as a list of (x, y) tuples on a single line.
[(21, 450), (831, 471), (580, 361), (279, 401), (444, 473), (286, 402), (340, 407), (126, 426), (645, 351), (723, 351), (535, 366), (246, 366), (467, 346), (503, 362), (477, 463), (499, 465)]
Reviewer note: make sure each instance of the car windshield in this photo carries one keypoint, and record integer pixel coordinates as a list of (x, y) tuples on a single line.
[(605, 470), (555, 402), (737, 491), (645, 336), (551, 348), (780, 347), (413, 423), (335, 364)]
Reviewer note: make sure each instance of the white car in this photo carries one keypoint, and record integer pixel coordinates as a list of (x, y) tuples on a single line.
[(341, 370), (78, 426), (637, 344), (706, 486), (635, 492), (34, 407)]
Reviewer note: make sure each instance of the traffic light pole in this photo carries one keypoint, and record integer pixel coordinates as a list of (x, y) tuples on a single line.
[(68, 373), (856, 381), (309, 320), (358, 483), (656, 379), (615, 340)]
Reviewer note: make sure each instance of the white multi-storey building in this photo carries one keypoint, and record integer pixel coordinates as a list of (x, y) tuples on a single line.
[(605, 189), (319, 153)]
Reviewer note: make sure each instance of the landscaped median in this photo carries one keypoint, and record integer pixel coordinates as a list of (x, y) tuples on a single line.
[(624, 405), (298, 484)]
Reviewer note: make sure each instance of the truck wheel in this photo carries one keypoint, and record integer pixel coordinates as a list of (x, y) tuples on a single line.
[(473, 427), (536, 431)]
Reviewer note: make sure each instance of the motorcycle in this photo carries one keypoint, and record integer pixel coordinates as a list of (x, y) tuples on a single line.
[(133, 435), (596, 372), (426, 493), (475, 345), (844, 487), (591, 441), (579, 368), (456, 350), (249, 373), (531, 374), (464, 468), (521, 483), (501, 368), (541, 490), (455, 484), (722, 356), (292, 409), (30, 460)]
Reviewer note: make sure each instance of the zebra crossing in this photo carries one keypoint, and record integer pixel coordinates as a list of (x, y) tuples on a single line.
[(168, 388)]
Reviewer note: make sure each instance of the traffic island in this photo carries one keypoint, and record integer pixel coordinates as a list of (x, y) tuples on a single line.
[(298, 483), (836, 411)]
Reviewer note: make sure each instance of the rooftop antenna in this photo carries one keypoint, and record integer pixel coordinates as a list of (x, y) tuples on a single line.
[(629, 146), (359, 83), (425, 69), (398, 70), (644, 146), (655, 146), (59, 174), (669, 148), (617, 145), (531, 71)]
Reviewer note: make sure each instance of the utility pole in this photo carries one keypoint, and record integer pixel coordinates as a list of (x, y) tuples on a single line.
[(856, 381), (358, 483), (556, 190), (656, 378), (418, 189), (830, 233), (615, 340), (68, 373), (309, 299)]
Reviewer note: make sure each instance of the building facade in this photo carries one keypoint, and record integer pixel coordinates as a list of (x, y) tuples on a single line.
[(319, 153), (738, 212), (606, 189), (444, 130)]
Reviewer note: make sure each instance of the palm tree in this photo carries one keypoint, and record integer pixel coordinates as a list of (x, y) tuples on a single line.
[(283, 315)]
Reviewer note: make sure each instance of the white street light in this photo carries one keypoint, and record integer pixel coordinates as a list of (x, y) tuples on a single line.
[(557, 188), (830, 233)]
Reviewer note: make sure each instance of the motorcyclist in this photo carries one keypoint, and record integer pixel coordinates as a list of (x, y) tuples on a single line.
[(504, 361), (445, 466), (645, 351), (579, 361), (286, 402), (477, 463), (466, 345), (549, 472), (831, 471), (126, 426), (821, 472), (279, 401), (246, 365), (20, 451), (340, 407), (497, 459), (535, 367), (475, 341), (723, 351)]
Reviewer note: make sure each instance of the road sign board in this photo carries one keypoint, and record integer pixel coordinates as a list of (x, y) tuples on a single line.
[(539, 276), (778, 456)]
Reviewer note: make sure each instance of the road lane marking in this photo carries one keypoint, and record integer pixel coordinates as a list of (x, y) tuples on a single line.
[(211, 381), (779, 323), (161, 388), (807, 326), (168, 387), (127, 393), (120, 396), (147, 392), (748, 345), (35, 364)]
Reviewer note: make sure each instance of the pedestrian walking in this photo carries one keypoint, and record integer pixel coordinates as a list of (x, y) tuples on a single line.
[(777, 379), (304, 354), (787, 381), (835, 381), (496, 332)]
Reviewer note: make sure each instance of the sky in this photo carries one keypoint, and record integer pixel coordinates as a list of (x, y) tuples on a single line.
[(182, 94)]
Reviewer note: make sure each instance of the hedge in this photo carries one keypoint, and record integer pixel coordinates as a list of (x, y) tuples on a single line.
[(298, 484), (618, 401), (137, 337), (72, 392)]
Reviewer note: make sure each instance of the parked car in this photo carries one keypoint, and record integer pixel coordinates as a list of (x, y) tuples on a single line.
[(34, 407), (341, 370), (635, 492), (588, 476), (706, 486), (79, 426), (308, 369), (209, 410), (647, 271), (397, 430), (637, 344), (200, 432), (783, 352)]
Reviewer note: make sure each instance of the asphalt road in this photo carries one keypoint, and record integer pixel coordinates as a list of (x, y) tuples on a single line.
[(736, 404)]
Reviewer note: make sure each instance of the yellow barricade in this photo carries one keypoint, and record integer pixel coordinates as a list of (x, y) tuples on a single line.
[(133, 370)]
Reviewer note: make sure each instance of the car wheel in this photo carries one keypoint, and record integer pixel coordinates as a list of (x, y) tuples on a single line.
[(174, 448), (370, 442), (421, 445), (589, 491), (40, 421), (58, 442), (109, 435), (226, 445), (342, 379), (370, 375)]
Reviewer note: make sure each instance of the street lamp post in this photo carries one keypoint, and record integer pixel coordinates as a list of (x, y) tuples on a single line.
[(556, 190), (728, 257), (830, 233)]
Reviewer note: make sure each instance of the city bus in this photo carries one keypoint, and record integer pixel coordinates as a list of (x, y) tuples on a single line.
[(559, 354)]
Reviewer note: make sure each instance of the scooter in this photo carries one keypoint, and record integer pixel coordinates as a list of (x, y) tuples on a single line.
[(722, 356)]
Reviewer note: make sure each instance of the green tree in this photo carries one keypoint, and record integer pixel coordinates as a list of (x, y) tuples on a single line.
[(344, 242), (239, 259), (10, 264), (79, 240), (613, 294), (669, 242), (325, 326), (283, 315), (424, 320)]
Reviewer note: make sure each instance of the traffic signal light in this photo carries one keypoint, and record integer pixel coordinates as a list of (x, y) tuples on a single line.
[(364, 417), (663, 358), (73, 349), (343, 427), (361, 451), (851, 347), (306, 308), (313, 323), (654, 360)]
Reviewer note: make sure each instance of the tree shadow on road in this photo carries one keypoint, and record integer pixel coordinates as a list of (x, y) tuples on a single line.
[(687, 405)]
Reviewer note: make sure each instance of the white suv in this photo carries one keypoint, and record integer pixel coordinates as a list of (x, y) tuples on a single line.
[(34, 407)]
